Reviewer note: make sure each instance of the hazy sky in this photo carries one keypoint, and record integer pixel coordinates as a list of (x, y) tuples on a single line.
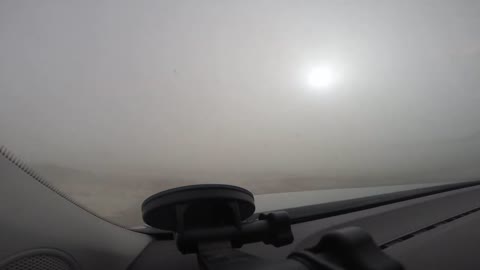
[(219, 89)]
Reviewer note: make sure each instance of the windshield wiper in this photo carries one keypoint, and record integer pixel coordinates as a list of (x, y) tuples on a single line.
[(325, 210)]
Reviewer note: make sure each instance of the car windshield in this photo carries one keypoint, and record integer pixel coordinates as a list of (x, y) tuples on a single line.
[(112, 101)]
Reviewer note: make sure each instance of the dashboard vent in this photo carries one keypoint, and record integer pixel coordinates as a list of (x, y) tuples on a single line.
[(39, 259), (38, 262)]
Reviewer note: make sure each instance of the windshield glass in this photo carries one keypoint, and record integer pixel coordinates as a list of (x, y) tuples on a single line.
[(112, 101)]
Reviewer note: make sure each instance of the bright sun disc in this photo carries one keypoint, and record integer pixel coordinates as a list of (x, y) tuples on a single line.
[(322, 77)]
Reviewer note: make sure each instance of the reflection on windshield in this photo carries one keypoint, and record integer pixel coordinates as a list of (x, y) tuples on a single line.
[(121, 100)]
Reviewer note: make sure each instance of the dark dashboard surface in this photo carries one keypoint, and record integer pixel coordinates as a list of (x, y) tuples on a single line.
[(433, 232)]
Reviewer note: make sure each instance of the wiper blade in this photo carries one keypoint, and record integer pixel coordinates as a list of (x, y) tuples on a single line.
[(325, 210)]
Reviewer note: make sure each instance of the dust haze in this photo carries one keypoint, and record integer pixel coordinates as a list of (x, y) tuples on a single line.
[(113, 101)]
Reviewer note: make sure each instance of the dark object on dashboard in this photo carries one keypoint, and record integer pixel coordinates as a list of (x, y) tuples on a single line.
[(202, 214), (347, 248)]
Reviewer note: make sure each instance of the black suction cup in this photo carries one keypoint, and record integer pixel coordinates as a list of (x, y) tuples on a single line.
[(198, 206), (203, 214)]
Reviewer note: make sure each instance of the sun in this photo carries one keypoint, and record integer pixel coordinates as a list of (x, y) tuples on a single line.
[(322, 77)]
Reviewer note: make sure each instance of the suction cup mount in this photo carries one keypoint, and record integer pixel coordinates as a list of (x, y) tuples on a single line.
[(210, 220), (202, 214)]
